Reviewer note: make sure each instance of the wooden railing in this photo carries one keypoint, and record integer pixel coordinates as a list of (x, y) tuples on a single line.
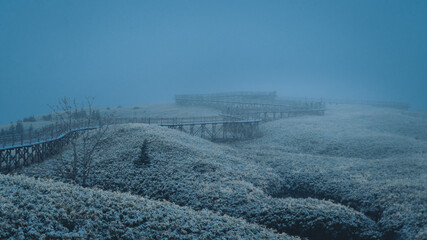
[(54, 131), (50, 139)]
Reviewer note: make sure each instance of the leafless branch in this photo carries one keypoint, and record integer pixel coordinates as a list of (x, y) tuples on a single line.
[(68, 114)]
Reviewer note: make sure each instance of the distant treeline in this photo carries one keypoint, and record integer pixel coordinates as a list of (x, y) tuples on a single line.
[(15, 129), (18, 127), (76, 115)]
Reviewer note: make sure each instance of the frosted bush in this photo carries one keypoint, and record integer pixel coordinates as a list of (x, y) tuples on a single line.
[(370, 159), (34, 209), (326, 177), (202, 175)]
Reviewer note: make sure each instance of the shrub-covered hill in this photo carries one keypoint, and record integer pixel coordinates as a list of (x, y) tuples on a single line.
[(193, 172), (44, 209), (371, 159), (350, 131)]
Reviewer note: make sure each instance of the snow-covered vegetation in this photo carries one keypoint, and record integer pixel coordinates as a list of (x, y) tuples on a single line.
[(202, 175), (44, 209), (355, 173), (373, 160)]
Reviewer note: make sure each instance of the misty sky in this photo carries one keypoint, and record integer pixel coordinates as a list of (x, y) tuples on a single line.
[(134, 52)]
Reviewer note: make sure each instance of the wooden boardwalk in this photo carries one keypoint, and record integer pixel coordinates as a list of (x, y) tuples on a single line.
[(13, 157), (275, 115), (215, 128), (250, 105), (52, 139), (241, 114)]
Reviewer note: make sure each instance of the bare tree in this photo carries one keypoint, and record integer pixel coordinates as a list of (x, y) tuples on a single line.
[(87, 135)]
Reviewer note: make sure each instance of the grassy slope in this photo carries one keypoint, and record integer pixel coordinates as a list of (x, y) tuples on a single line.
[(200, 174), (34, 209), (371, 159)]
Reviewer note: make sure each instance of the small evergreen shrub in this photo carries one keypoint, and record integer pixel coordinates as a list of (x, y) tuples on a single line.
[(143, 158)]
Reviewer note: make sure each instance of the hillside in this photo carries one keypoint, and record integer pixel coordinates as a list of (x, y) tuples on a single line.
[(200, 174), (40, 209), (325, 177), (371, 159)]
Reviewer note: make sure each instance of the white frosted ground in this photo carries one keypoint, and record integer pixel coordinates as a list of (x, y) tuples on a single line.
[(200, 174), (40, 209), (371, 159), (368, 162)]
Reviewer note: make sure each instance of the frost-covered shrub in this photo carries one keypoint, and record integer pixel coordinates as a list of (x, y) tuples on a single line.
[(34, 209), (368, 163), (369, 159), (193, 172)]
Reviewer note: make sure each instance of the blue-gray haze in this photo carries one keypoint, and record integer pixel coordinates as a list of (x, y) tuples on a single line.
[(133, 52)]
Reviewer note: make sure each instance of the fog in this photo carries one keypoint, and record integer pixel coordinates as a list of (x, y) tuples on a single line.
[(136, 52)]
